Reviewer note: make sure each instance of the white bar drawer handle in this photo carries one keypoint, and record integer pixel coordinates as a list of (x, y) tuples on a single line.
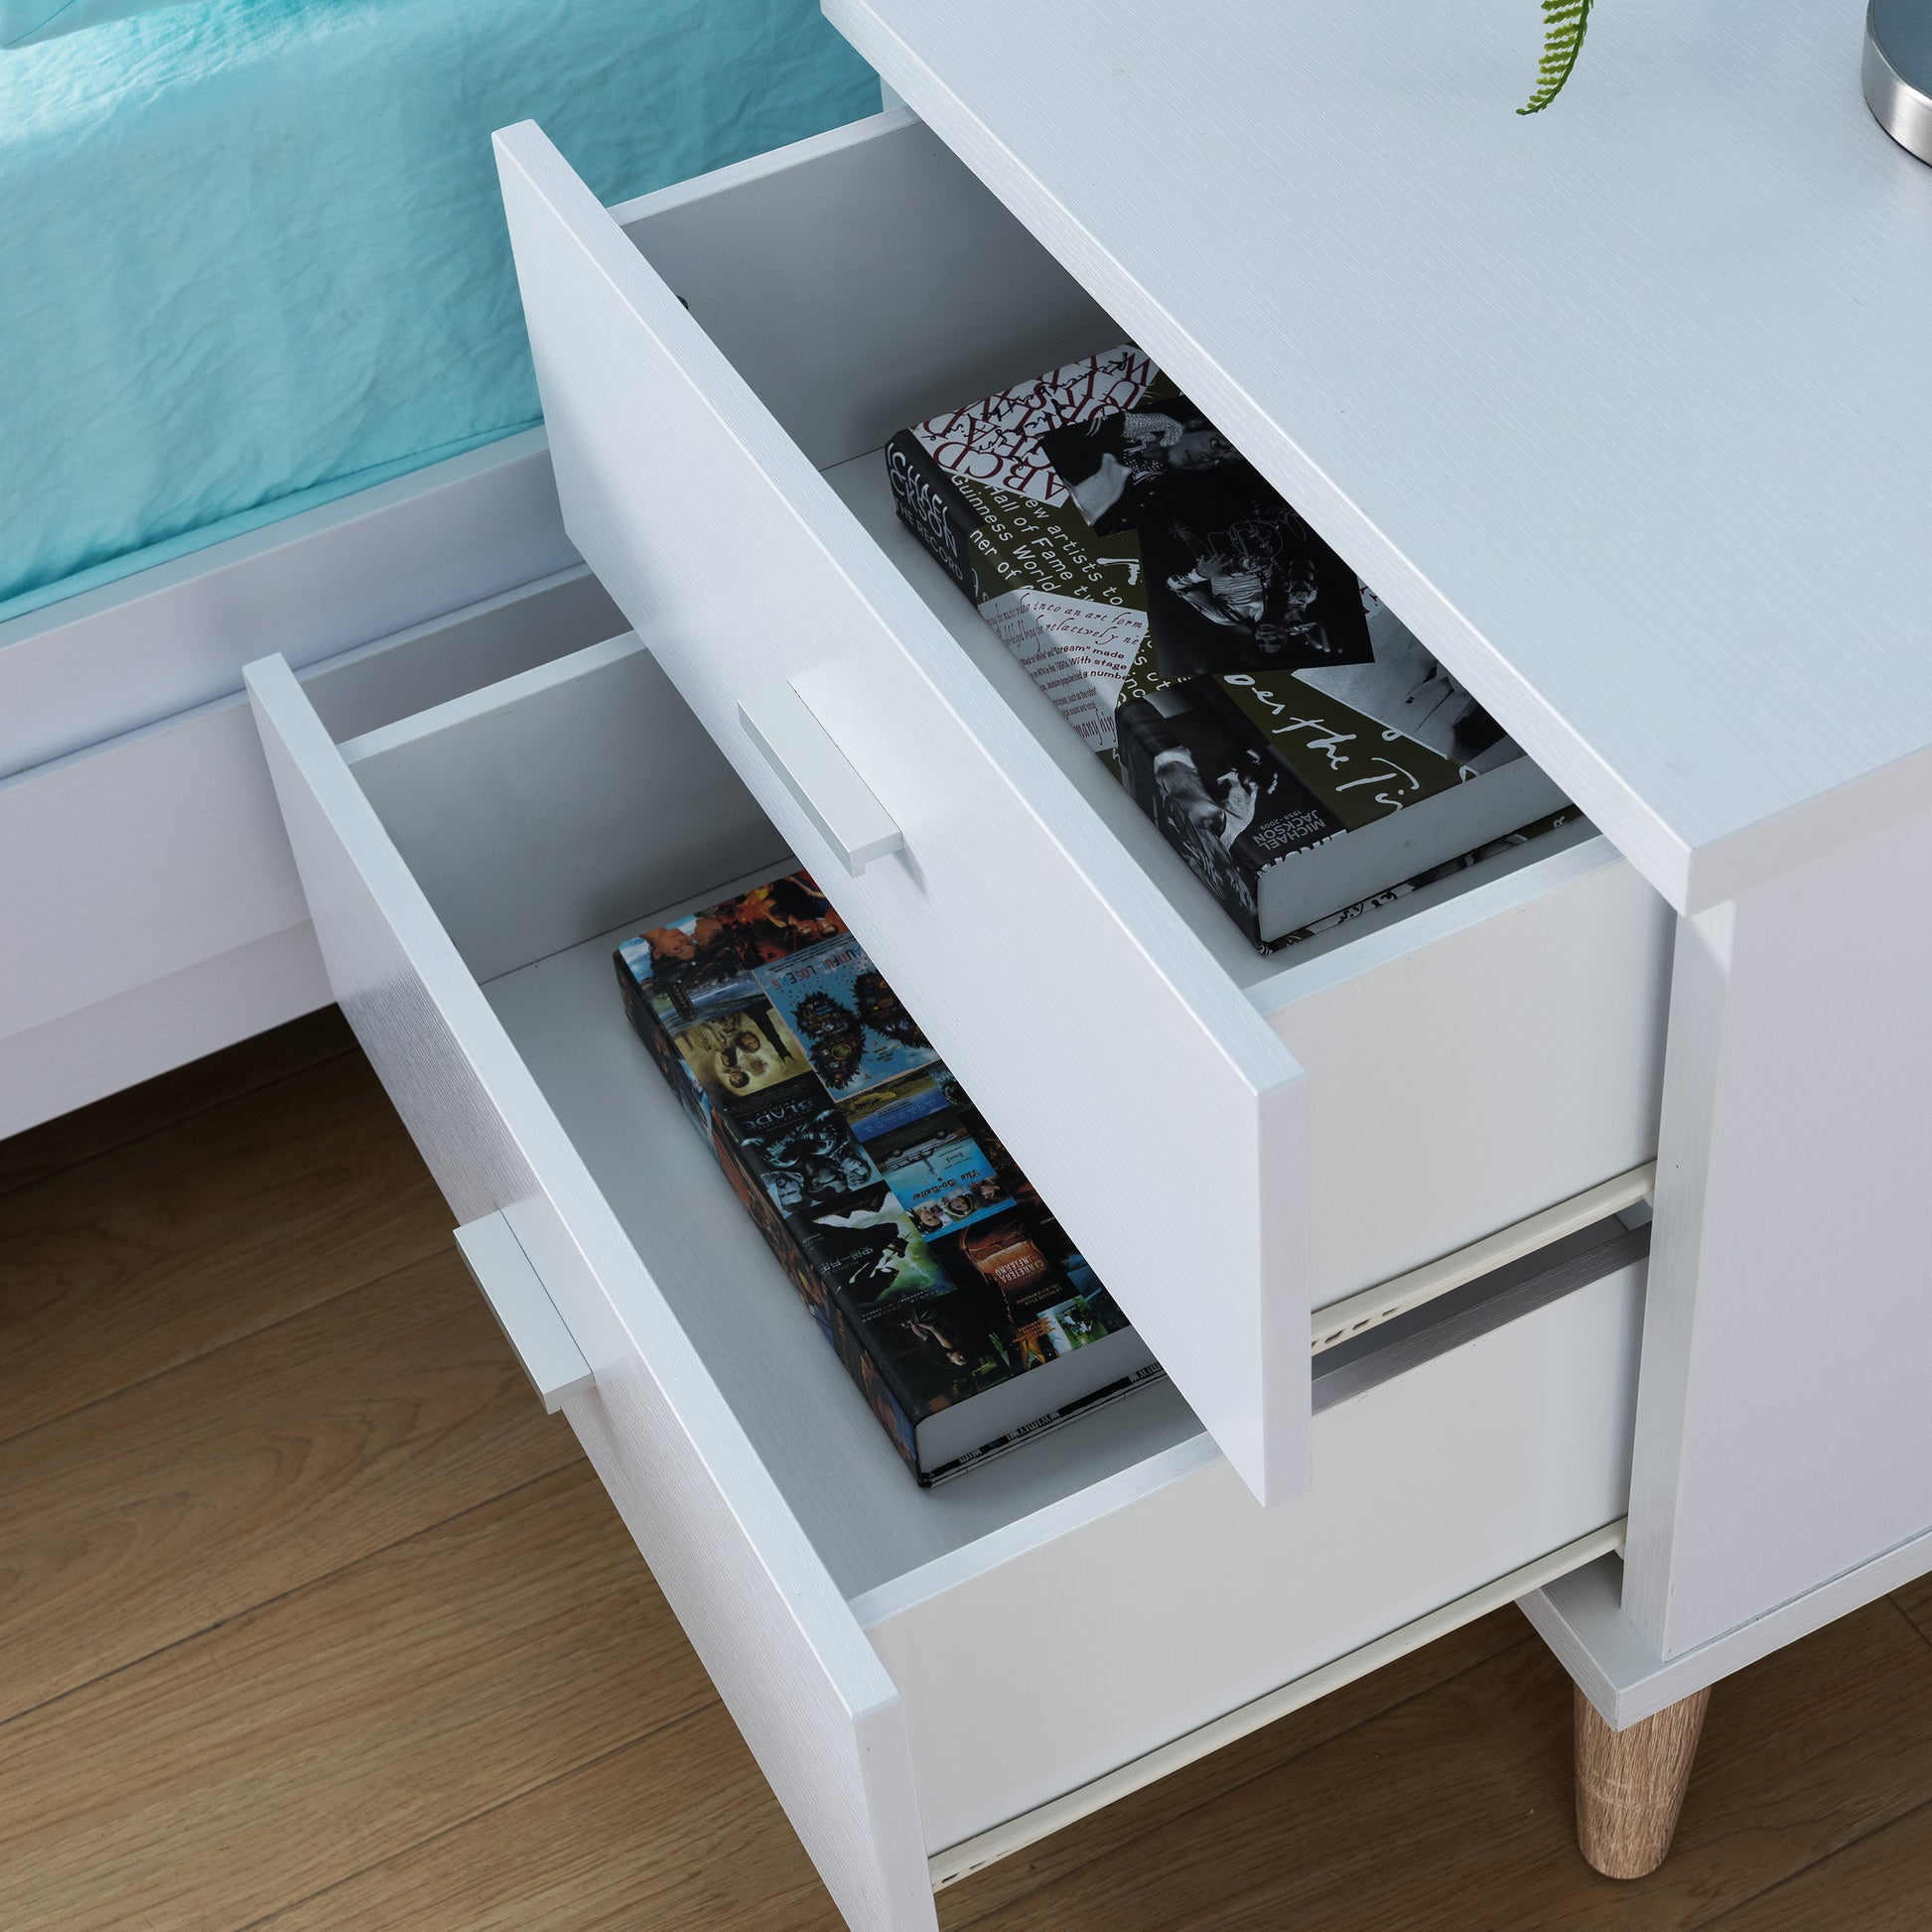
[(819, 776), (524, 1311)]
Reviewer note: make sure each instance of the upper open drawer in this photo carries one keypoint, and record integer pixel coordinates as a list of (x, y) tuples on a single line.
[(1232, 1140)]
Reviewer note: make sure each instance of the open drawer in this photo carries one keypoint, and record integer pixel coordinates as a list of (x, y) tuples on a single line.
[(469, 870), (1231, 1140)]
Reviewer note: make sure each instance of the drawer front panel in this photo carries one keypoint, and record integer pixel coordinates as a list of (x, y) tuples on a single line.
[(818, 1708), (1143, 1094), (1186, 1605), (1498, 1052)]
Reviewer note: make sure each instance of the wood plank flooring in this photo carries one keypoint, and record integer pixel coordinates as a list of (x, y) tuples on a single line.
[(311, 1620)]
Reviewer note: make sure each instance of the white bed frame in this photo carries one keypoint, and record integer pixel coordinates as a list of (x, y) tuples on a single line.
[(153, 912)]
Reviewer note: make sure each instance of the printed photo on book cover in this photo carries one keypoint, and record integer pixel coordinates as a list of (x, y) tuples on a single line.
[(1005, 1254), (995, 440), (1359, 771), (801, 1147), (1053, 1304), (869, 1247), (1221, 794), (1404, 688), (738, 1052), (881, 1399), (917, 1140), (1073, 1266), (703, 962), (1236, 579), (848, 1020), (770, 1224), (1012, 1180), (944, 1349)]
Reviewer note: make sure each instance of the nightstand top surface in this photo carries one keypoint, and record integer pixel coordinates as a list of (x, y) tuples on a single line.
[(1625, 408)]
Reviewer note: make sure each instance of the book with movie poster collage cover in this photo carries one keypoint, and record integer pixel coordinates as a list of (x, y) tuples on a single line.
[(926, 1257)]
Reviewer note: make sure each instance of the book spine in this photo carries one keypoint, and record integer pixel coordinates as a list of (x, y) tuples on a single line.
[(842, 1333), (660, 1046), (880, 1389), (818, 1290), (879, 1382), (819, 1286), (934, 511)]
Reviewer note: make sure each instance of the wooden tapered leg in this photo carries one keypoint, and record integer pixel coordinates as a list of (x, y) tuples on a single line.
[(1630, 1784)]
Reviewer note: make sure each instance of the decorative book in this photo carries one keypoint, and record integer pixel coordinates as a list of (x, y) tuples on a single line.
[(951, 1293), (1285, 731)]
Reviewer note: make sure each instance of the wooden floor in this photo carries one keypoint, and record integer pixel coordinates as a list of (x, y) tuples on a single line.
[(310, 1619)]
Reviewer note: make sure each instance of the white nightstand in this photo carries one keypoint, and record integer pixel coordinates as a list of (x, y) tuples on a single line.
[(1623, 410)]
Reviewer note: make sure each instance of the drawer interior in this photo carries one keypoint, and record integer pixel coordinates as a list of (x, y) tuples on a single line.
[(872, 287), (864, 487), (555, 813), (408, 671)]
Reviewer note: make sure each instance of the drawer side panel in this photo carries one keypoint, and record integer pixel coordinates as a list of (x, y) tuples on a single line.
[(820, 1714)]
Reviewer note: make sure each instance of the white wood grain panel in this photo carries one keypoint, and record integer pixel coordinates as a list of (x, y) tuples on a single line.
[(1618, 406), (463, 649), (840, 1766), (155, 1024), (960, 1862), (135, 858), (906, 288), (1340, 1377), (818, 1710), (166, 639), (1581, 1617), (1189, 1602), (522, 809), (1478, 1061), (1788, 1345), (723, 544)]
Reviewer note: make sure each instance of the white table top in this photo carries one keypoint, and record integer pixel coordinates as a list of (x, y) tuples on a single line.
[(1625, 408)]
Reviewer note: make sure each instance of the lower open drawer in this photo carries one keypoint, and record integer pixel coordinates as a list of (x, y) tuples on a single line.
[(913, 1669)]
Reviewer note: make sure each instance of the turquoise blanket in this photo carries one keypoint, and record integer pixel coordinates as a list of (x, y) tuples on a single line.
[(252, 252), (22, 21)]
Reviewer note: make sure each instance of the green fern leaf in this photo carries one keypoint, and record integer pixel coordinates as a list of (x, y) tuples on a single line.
[(1565, 23)]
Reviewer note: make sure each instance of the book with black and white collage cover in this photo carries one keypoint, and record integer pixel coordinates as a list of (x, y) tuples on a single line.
[(957, 1302), (1290, 736)]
